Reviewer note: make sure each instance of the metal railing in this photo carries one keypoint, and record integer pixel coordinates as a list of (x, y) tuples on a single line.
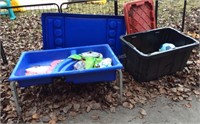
[(28, 11), (88, 7), (183, 13), (33, 5)]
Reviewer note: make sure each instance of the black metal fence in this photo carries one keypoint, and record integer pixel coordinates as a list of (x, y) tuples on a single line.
[(112, 7), (88, 7), (31, 31)]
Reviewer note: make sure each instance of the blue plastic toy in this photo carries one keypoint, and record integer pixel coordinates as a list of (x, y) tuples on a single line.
[(167, 46), (6, 3)]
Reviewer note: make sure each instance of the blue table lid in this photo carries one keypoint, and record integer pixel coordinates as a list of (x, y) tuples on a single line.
[(62, 30)]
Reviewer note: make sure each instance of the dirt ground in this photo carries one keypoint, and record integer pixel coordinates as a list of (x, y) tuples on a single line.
[(98, 103)]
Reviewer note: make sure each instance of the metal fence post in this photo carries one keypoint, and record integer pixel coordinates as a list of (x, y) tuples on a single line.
[(116, 7), (3, 55), (183, 18), (156, 12)]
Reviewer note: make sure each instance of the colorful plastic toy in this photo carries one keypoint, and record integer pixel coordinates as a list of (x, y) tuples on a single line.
[(167, 46), (6, 3)]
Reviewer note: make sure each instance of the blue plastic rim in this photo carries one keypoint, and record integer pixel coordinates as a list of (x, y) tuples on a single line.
[(64, 68), (62, 30)]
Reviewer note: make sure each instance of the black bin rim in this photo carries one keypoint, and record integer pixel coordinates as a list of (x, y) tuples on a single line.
[(122, 37)]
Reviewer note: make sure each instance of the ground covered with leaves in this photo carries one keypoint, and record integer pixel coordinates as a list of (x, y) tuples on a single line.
[(59, 100)]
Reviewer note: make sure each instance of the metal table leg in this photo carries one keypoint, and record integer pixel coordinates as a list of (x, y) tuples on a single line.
[(120, 84), (16, 99), (3, 55), (15, 96)]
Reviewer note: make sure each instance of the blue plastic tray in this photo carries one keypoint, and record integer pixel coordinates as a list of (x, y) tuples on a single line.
[(64, 68), (61, 30)]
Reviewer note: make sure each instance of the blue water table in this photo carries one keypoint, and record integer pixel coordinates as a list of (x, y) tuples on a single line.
[(68, 34)]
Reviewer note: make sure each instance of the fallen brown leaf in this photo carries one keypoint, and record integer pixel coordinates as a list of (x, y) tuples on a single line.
[(180, 98), (56, 106), (128, 105), (132, 101), (174, 90), (143, 112), (116, 87), (109, 98), (175, 98), (162, 91), (189, 62), (96, 106), (188, 105), (52, 122), (76, 107), (7, 108), (65, 109), (187, 90), (112, 109), (72, 114), (35, 116), (53, 116), (46, 119), (61, 118), (178, 93), (189, 99), (84, 105), (88, 109), (184, 95), (128, 94), (194, 83), (33, 122), (10, 116), (196, 92), (193, 34), (180, 88), (94, 117), (141, 116)]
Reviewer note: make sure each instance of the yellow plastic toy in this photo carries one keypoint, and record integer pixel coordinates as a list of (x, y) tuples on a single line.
[(17, 3), (99, 1)]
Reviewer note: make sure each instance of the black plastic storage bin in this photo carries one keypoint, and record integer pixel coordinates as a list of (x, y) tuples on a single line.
[(145, 64)]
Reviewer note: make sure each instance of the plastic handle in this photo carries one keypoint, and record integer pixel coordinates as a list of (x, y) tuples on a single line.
[(140, 3)]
